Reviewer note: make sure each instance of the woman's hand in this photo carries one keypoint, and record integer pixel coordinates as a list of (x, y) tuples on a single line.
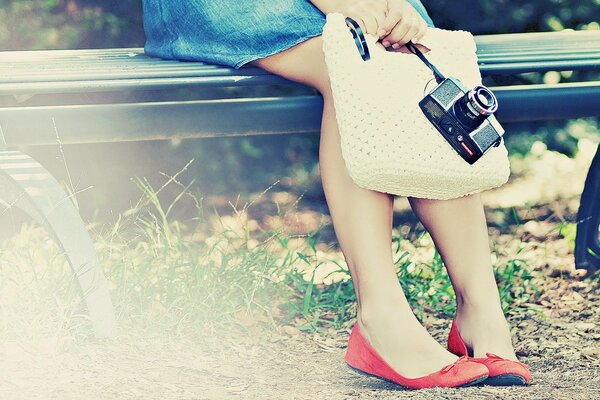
[(369, 14), (402, 24), (395, 22)]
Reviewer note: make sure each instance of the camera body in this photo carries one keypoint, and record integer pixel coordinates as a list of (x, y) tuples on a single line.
[(464, 117)]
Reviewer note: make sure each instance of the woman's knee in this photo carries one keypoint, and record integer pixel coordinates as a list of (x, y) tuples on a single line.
[(304, 63)]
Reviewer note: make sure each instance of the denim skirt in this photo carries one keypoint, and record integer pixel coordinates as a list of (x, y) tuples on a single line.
[(231, 32)]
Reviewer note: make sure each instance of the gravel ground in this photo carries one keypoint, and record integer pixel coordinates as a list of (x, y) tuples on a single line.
[(563, 356)]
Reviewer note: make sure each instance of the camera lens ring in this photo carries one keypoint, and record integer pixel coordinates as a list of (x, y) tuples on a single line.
[(482, 101), (474, 106)]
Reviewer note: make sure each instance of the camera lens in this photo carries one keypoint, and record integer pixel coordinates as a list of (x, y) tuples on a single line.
[(475, 106)]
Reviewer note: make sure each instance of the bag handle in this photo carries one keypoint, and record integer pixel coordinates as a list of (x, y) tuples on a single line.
[(363, 48), (359, 38)]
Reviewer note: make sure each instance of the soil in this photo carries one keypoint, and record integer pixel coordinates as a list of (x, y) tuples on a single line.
[(563, 354)]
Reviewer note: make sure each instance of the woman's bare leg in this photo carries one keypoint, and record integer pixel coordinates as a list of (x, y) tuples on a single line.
[(459, 231), (362, 221)]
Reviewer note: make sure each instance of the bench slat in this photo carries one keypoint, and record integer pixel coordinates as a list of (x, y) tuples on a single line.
[(139, 84), (144, 78), (259, 116), (77, 69)]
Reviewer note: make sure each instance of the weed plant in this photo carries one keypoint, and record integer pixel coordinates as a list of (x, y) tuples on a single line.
[(167, 275)]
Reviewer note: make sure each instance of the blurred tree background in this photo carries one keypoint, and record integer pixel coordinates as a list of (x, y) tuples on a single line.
[(74, 24), (70, 24), (241, 165)]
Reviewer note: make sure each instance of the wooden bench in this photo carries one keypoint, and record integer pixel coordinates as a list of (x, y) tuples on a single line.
[(114, 95)]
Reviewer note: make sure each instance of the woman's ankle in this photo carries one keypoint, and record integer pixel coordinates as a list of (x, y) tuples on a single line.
[(374, 311), (486, 306), (398, 337), (483, 318)]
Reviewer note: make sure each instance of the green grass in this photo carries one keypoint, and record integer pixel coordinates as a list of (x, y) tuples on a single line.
[(167, 275)]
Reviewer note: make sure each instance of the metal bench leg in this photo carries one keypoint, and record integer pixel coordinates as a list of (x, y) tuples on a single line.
[(26, 185), (587, 241)]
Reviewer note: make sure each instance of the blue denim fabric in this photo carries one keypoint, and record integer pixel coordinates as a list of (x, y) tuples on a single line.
[(231, 32)]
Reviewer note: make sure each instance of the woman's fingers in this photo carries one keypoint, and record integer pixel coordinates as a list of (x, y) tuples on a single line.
[(407, 24), (379, 12), (370, 22), (369, 14), (422, 30), (399, 31), (395, 22), (413, 29)]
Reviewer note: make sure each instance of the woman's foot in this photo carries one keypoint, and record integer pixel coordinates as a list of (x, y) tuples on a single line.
[(402, 341), (363, 358), (501, 371), (485, 330)]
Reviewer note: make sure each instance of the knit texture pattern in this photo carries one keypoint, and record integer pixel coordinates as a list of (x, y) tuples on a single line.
[(388, 144)]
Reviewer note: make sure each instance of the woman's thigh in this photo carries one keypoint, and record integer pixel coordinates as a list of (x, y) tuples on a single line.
[(304, 63)]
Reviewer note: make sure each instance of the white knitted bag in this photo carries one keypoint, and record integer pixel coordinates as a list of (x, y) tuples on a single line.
[(388, 144)]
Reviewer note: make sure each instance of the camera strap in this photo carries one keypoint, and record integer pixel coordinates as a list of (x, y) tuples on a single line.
[(363, 48), (439, 77)]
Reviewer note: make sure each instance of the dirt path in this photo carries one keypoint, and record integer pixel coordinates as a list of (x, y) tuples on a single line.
[(278, 365)]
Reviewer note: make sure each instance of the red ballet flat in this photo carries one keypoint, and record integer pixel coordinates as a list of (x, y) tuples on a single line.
[(502, 372), (363, 358)]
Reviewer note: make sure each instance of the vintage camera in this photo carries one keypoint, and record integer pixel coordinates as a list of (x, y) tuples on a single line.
[(464, 117)]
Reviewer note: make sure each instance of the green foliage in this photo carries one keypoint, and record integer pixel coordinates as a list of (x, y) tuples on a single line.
[(157, 271), (426, 285), (556, 135), (70, 24), (506, 16), (515, 284), (166, 276)]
